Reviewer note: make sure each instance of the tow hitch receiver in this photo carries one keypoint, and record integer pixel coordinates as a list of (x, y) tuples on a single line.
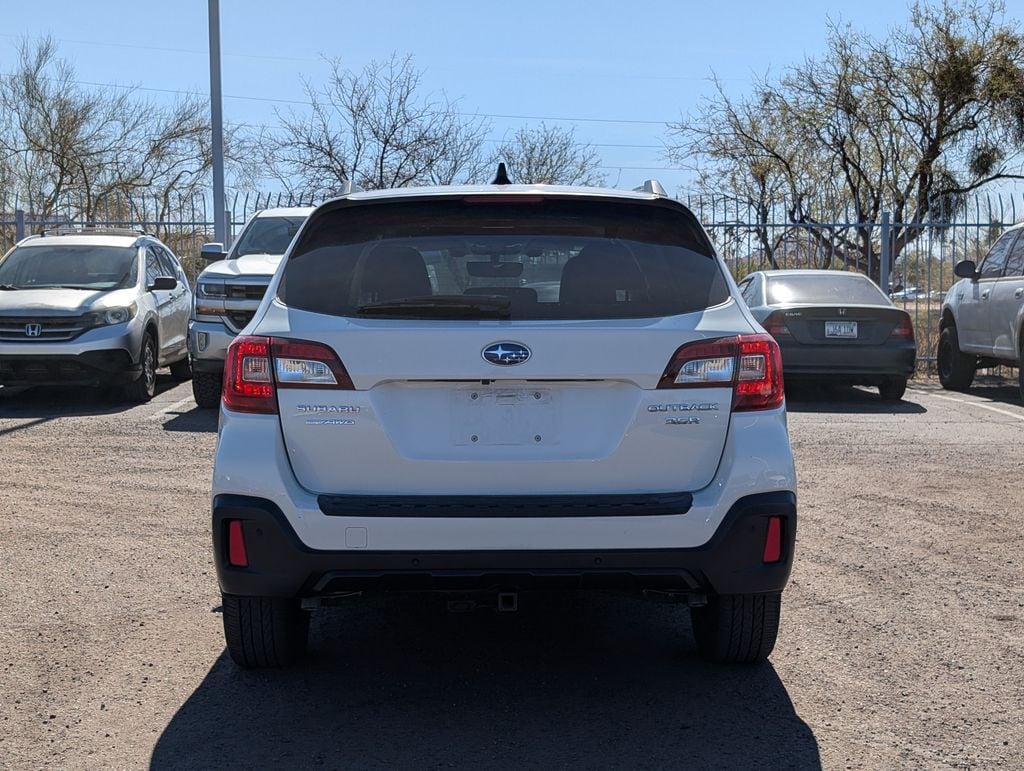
[(508, 602)]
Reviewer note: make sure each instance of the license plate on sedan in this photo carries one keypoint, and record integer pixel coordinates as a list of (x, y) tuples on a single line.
[(846, 329)]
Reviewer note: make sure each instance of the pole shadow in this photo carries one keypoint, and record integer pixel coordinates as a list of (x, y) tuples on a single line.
[(568, 681)]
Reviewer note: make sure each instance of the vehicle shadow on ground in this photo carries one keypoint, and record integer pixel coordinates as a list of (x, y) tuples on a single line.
[(193, 420), (814, 397), (587, 680), (48, 402), (991, 388)]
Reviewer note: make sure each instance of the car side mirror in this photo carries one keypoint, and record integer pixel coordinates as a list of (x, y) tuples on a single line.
[(212, 252), (966, 269), (163, 284)]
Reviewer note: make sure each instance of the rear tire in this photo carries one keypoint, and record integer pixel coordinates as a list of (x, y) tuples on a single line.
[(143, 388), (892, 389), (206, 389), (956, 369), (737, 628), (181, 370), (265, 631)]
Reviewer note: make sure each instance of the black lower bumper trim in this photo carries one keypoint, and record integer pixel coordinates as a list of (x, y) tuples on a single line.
[(212, 366), (657, 504), (90, 368), (280, 565)]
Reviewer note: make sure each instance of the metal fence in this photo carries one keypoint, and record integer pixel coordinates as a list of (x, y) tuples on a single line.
[(912, 263), (915, 265), (184, 224)]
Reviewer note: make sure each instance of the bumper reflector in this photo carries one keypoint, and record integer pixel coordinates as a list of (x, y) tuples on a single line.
[(236, 545), (773, 541)]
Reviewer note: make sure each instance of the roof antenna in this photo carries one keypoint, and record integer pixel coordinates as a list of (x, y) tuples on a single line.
[(501, 178)]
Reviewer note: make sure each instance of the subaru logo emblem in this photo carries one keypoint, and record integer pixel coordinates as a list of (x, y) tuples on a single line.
[(33, 330), (506, 354)]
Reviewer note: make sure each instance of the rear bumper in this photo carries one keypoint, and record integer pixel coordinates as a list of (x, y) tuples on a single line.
[(280, 565), (862, 364), (104, 367)]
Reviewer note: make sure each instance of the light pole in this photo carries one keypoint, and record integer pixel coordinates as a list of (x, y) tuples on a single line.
[(220, 229)]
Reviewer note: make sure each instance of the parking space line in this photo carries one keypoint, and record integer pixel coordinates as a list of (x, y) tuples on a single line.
[(170, 408), (972, 404)]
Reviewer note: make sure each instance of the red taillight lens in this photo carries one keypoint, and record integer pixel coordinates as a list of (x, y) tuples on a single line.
[(759, 380), (750, 364), (904, 329), (249, 377), (773, 541), (775, 325), (237, 556), (257, 366)]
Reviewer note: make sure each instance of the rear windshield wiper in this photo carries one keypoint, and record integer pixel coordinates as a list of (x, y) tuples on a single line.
[(441, 306), (8, 287)]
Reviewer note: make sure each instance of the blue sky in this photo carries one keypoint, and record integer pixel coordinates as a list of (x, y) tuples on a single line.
[(615, 71)]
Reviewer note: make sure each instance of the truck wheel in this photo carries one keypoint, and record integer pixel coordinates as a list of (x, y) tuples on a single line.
[(206, 389), (737, 628), (892, 389), (181, 370), (956, 369), (264, 631), (143, 388)]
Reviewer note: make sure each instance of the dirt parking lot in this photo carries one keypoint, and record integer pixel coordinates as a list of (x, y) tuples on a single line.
[(901, 642)]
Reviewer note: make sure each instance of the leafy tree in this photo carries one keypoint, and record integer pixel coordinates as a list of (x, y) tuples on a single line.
[(912, 123)]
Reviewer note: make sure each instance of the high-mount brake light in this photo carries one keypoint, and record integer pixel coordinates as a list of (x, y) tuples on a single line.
[(750, 364), (502, 198), (257, 367)]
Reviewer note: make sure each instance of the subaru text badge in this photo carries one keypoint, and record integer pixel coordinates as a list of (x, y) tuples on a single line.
[(506, 354)]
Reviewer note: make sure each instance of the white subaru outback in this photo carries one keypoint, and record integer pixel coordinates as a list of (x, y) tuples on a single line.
[(495, 390)]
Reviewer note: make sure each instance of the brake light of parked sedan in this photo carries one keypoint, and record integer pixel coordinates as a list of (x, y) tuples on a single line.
[(257, 366), (904, 329), (775, 325), (751, 364)]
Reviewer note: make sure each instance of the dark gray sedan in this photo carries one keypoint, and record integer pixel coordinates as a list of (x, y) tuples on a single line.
[(834, 326)]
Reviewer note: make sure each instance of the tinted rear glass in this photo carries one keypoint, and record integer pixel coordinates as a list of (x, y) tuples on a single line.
[(844, 288), (550, 259)]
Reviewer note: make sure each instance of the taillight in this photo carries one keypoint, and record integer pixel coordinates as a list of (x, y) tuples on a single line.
[(750, 364), (257, 366), (775, 325), (904, 329), (773, 541)]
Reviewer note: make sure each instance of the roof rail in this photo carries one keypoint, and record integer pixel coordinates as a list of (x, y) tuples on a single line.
[(652, 186), (80, 230)]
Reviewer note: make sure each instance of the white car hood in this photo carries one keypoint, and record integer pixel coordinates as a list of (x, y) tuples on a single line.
[(72, 302)]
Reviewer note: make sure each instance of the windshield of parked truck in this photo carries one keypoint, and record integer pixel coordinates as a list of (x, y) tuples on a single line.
[(268, 235)]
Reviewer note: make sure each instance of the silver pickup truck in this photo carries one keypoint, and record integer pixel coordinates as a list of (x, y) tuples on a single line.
[(983, 314), (229, 291)]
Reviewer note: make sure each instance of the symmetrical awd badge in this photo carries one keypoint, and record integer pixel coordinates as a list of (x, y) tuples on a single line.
[(506, 353)]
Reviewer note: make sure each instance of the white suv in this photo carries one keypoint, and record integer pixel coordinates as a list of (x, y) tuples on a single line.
[(983, 315), (414, 408)]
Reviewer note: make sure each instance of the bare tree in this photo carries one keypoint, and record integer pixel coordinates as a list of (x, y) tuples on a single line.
[(376, 128), (61, 142), (549, 155), (912, 123)]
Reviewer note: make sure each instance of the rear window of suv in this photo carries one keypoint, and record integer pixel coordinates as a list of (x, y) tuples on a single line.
[(531, 258)]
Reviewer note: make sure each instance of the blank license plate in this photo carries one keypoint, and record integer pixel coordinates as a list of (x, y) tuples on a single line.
[(504, 416), (840, 329)]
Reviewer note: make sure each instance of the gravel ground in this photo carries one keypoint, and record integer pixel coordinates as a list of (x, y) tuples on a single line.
[(901, 639)]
